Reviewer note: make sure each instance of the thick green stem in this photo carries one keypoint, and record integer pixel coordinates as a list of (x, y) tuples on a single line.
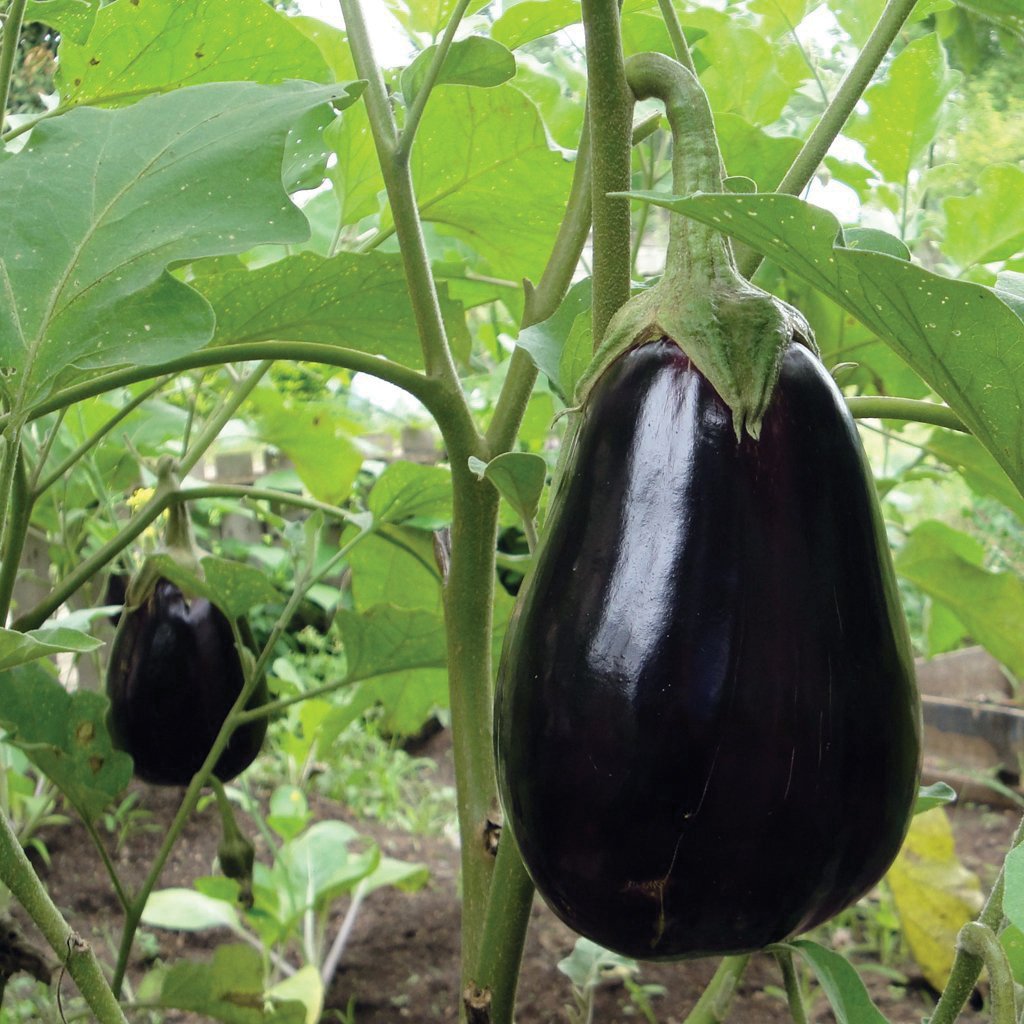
[(791, 983), (852, 87), (713, 1005), (967, 965), (912, 410), (74, 953), (610, 108), (16, 515), (9, 51)]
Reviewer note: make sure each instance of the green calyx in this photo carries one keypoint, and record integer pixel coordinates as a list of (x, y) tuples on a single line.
[(734, 332)]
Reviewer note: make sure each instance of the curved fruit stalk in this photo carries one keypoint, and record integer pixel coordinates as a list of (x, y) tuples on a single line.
[(175, 673), (707, 729), (733, 331)]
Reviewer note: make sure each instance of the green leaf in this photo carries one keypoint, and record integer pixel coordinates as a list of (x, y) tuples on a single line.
[(476, 60), (518, 477), (236, 587), (839, 979), (321, 864), (96, 293), (1013, 896), (874, 240), (546, 341), (65, 736), (18, 648), (188, 911), (751, 152), (397, 873), (905, 109), (304, 987), (938, 559), (980, 471), (229, 989), (1010, 288), (484, 172), (533, 19), (1005, 14), (354, 301), (935, 795), (987, 225), (72, 18), (959, 337), (185, 42), (396, 565), (387, 639), (577, 353), (405, 700), (429, 16), (1012, 940), (316, 436), (419, 496), (355, 174)]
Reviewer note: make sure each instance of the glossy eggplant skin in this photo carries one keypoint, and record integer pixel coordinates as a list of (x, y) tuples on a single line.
[(174, 674), (707, 728)]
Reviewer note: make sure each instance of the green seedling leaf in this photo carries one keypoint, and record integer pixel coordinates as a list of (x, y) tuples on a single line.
[(477, 61), (18, 648), (418, 496), (944, 563), (486, 173), (97, 293), (65, 736), (186, 42), (839, 979), (229, 989), (987, 225), (959, 337), (189, 911), (299, 298), (935, 795), (321, 864), (588, 964), (905, 108), (304, 987), (545, 342), (397, 873), (518, 477), (289, 811), (72, 18), (533, 19)]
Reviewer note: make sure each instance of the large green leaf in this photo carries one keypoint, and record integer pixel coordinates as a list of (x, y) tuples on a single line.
[(96, 293), (753, 153), (846, 992), (429, 16), (355, 301), (185, 42), (65, 736), (72, 18), (484, 171), (959, 337), (413, 495), (396, 565), (19, 648), (981, 472), (989, 604), (532, 19), (1005, 14), (386, 639), (355, 172), (988, 225), (905, 109)]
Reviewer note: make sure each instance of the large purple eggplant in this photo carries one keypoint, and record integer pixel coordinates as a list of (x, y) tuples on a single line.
[(174, 674), (707, 727)]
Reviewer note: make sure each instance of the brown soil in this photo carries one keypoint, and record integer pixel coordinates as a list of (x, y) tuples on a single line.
[(401, 961)]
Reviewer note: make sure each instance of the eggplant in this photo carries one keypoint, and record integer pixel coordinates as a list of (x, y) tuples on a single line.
[(707, 730), (173, 676)]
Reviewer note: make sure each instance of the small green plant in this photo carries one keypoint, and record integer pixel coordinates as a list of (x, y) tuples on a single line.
[(589, 967)]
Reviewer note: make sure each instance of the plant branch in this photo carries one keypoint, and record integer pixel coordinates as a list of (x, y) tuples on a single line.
[(419, 103), (9, 51), (40, 486), (676, 34), (74, 953), (852, 87), (791, 983), (17, 510), (713, 1005), (415, 383), (967, 965), (610, 117), (884, 408)]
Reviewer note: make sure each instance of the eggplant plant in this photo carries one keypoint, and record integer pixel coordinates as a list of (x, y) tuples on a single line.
[(707, 670)]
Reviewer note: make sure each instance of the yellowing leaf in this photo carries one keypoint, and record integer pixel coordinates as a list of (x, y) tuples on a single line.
[(935, 895)]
